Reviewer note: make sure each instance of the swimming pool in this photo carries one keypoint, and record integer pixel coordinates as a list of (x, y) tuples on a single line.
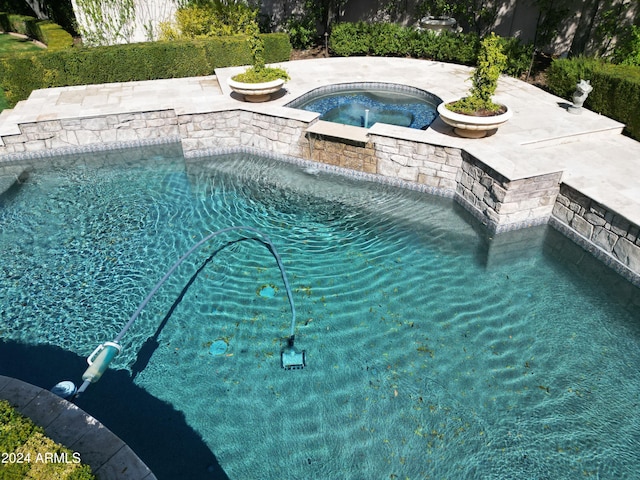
[(364, 104), (432, 350)]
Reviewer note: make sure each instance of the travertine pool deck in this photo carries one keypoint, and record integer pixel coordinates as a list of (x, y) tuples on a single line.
[(107, 455), (541, 137)]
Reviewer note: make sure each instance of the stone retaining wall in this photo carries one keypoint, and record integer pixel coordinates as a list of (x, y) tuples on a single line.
[(64, 134), (201, 133), (504, 204), (418, 162), (609, 236), (500, 203)]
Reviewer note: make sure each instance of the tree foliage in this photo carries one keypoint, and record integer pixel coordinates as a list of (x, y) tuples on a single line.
[(491, 63), (209, 19)]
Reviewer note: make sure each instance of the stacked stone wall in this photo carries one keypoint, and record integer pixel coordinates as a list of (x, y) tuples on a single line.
[(352, 155), (606, 234), (418, 162), (201, 133), (504, 204), (65, 134)]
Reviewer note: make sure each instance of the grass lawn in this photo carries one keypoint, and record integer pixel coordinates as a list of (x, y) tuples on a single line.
[(12, 44)]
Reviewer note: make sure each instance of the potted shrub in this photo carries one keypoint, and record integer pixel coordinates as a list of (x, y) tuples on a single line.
[(258, 82), (476, 115), (436, 15)]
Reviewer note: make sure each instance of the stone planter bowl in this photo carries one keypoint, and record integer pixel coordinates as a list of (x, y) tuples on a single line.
[(256, 92), (469, 126), (437, 25)]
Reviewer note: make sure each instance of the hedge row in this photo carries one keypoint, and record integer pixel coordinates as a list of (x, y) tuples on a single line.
[(24, 447), (616, 88), (389, 39), (20, 74), (45, 31)]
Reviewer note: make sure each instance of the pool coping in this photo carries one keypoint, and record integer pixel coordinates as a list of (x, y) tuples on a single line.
[(108, 456)]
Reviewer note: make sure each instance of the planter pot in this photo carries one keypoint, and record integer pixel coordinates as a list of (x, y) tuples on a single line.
[(469, 126), (256, 92), (437, 24)]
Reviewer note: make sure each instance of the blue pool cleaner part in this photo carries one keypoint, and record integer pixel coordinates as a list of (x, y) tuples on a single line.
[(64, 389), (102, 356)]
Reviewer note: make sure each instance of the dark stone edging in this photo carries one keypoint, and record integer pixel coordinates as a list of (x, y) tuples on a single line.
[(107, 455)]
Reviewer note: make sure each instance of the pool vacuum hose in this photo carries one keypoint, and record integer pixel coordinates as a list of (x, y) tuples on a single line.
[(99, 360)]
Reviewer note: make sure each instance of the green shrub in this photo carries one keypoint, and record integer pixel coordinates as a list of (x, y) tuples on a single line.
[(491, 63), (5, 25), (45, 31), (456, 47), (20, 74), (277, 47), (302, 31), (54, 36), (519, 56), (616, 88), (19, 435), (349, 39), (209, 19), (18, 24), (627, 51), (563, 74), (15, 429), (265, 74), (388, 39)]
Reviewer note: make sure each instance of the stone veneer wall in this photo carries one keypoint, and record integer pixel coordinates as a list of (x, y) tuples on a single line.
[(504, 204), (73, 133), (201, 133), (498, 202), (605, 234), (419, 162), (352, 155)]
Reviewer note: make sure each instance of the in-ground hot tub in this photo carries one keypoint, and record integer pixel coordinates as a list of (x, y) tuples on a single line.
[(363, 104)]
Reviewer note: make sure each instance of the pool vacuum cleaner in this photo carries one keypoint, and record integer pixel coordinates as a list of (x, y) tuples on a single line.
[(291, 358), (99, 360)]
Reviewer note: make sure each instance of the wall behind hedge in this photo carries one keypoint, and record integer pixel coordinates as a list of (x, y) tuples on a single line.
[(616, 88), (21, 74)]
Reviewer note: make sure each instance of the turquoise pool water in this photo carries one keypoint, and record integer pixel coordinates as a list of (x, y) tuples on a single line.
[(433, 350)]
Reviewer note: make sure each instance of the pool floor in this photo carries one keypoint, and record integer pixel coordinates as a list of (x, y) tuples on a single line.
[(432, 351)]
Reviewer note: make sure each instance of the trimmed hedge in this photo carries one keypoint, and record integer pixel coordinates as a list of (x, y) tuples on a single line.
[(389, 39), (20, 74), (54, 36), (616, 88), (45, 31), (25, 448)]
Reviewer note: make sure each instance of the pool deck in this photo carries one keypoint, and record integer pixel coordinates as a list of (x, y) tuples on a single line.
[(107, 455), (542, 137)]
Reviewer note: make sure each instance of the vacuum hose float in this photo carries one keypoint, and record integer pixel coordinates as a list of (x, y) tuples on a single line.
[(99, 360)]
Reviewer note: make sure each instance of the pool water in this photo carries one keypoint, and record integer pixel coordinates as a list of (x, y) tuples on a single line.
[(365, 106), (433, 350)]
